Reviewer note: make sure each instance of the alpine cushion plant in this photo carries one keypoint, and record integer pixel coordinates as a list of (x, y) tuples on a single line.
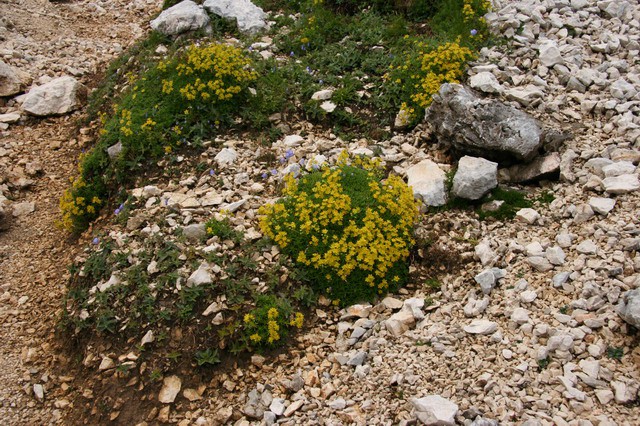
[(347, 227), (185, 97)]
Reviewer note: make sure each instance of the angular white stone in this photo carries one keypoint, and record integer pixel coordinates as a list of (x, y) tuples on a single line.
[(435, 410), (555, 255), (587, 247), (293, 141), (328, 106), (619, 168), (322, 95), (170, 389), (621, 184), (474, 177), (481, 327), (428, 182), (486, 82), (602, 205), (550, 54), (200, 276), (59, 96), (527, 215), (12, 80), (226, 156)]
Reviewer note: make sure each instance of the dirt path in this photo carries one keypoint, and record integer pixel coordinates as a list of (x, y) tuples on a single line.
[(46, 40)]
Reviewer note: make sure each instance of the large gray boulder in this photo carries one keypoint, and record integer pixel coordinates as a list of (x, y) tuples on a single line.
[(251, 18), (483, 127), (12, 80), (59, 96), (629, 307), (474, 178), (180, 18)]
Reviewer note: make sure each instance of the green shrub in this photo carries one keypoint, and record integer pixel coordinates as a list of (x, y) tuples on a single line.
[(347, 227)]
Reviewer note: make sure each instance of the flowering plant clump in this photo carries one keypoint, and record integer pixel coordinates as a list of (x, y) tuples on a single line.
[(81, 202), (184, 98), (270, 321), (347, 227)]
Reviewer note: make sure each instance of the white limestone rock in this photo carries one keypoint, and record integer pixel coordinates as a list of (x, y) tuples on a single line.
[(250, 18), (59, 96), (474, 177), (486, 82), (170, 388), (435, 410), (481, 327), (602, 205), (428, 182), (182, 17)]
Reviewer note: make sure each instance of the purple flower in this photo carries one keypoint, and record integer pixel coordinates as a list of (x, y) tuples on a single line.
[(309, 70), (274, 172), (303, 47), (288, 154), (250, 48), (166, 201), (291, 53), (211, 172), (320, 81), (95, 241), (116, 212), (282, 160), (265, 175), (474, 32), (302, 162)]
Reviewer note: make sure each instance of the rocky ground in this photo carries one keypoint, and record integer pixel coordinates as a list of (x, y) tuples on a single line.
[(44, 40), (528, 329)]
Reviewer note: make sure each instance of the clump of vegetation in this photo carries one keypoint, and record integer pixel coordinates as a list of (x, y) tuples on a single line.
[(269, 322), (223, 229), (511, 202), (347, 227), (177, 102)]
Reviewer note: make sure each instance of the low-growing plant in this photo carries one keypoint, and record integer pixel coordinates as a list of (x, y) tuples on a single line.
[(208, 356), (270, 321), (615, 353), (222, 229), (347, 227), (179, 101)]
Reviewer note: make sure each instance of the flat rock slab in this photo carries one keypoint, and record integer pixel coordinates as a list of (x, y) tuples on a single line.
[(435, 410), (59, 96), (481, 327), (546, 167), (483, 127), (621, 184)]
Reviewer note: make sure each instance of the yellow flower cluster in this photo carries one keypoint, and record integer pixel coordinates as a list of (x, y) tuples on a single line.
[(328, 232), (272, 325), (73, 205), (125, 122), (297, 321), (220, 70), (445, 64)]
